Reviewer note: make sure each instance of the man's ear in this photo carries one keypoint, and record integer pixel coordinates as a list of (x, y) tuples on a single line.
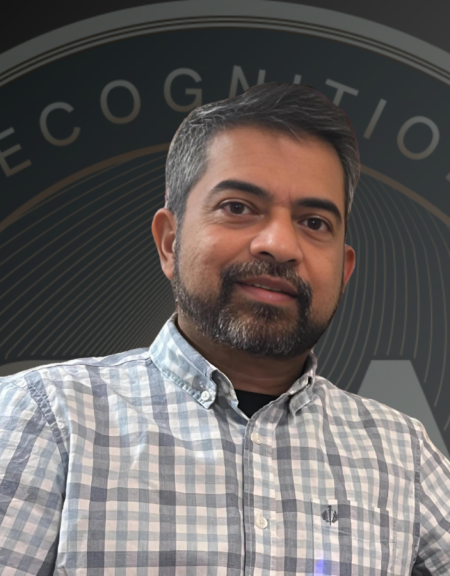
[(164, 229), (349, 263)]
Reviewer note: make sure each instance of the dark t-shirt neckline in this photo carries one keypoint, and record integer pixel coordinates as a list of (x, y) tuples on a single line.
[(251, 402)]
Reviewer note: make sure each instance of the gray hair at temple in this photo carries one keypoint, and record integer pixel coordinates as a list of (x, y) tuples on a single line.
[(297, 110)]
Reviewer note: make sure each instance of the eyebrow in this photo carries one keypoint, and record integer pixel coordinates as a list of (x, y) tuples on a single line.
[(310, 202)]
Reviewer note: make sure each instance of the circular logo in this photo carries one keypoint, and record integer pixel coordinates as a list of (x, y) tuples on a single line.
[(88, 114)]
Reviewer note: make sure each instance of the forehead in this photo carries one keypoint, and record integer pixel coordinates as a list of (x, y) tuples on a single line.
[(286, 165)]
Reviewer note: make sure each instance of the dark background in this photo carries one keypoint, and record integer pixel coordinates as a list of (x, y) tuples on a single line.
[(22, 20), (74, 289)]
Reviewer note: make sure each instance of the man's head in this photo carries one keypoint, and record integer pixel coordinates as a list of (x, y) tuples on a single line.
[(259, 190), (294, 109)]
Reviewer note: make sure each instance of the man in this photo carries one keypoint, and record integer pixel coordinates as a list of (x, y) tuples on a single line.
[(219, 451)]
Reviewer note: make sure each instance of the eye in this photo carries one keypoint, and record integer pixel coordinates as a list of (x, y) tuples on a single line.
[(235, 207), (316, 224)]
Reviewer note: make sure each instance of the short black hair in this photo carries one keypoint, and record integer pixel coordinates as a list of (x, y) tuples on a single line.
[(295, 109)]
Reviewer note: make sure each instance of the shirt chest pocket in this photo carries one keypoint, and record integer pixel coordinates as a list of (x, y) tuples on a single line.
[(352, 538)]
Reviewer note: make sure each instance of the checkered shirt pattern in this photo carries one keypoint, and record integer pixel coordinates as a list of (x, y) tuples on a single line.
[(141, 463)]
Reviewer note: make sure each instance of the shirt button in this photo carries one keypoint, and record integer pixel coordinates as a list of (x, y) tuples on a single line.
[(205, 396), (261, 522), (256, 438)]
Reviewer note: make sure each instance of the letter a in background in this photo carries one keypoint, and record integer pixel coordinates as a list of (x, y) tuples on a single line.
[(395, 383)]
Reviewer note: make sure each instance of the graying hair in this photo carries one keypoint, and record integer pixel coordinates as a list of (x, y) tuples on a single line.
[(297, 110)]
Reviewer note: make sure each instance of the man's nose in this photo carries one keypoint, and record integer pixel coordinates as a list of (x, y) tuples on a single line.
[(279, 239)]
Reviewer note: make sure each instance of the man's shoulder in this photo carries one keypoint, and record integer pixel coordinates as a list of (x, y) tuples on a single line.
[(349, 407), (81, 392), (111, 360), (79, 370)]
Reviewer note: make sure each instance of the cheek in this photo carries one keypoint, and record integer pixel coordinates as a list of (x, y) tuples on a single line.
[(215, 250), (201, 260), (326, 277)]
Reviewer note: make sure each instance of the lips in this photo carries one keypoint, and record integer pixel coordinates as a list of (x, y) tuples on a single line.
[(271, 284)]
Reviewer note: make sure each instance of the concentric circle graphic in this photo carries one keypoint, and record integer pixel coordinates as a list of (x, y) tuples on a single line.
[(90, 111), (82, 271)]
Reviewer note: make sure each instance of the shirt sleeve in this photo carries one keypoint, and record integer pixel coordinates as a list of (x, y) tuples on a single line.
[(433, 556), (32, 481)]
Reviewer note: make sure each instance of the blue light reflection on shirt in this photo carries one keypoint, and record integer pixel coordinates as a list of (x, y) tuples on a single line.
[(319, 568)]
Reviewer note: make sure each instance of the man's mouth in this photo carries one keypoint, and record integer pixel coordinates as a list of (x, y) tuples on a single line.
[(271, 284), (265, 288), (271, 291)]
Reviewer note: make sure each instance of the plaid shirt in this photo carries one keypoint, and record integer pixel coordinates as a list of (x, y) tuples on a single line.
[(141, 463)]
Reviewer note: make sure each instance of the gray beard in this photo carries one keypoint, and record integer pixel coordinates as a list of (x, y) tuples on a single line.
[(260, 329)]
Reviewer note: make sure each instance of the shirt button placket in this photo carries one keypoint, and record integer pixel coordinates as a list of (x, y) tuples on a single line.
[(256, 438), (263, 527), (261, 522)]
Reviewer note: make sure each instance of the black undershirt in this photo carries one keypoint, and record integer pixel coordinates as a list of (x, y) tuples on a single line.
[(251, 402)]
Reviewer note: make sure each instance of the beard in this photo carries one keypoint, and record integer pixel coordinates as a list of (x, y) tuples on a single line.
[(258, 328)]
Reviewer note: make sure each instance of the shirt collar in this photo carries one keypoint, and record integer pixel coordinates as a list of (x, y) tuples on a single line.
[(178, 361), (302, 389)]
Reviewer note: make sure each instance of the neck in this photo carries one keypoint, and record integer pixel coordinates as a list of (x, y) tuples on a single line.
[(245, 371)]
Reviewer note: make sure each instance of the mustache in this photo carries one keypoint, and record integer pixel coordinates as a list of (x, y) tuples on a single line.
[(240, 271)]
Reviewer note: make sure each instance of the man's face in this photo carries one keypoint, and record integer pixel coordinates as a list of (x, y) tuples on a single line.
[(268, 211)]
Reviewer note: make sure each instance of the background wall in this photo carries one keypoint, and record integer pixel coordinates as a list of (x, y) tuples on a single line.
[(90, 98)]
